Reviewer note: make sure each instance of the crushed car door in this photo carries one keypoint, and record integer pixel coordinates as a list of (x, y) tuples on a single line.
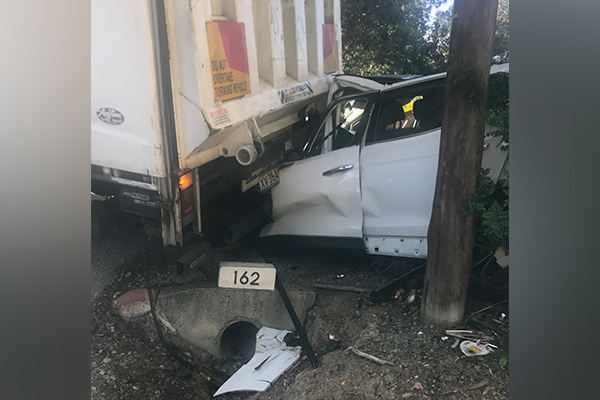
[(399, 167), (319, 196)]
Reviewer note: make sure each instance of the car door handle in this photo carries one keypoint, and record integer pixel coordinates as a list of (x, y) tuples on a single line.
[(338, 169)]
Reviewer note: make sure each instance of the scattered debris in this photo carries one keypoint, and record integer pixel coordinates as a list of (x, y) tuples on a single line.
[(486, 308), (342, 288), (166, 323), (444, 338), (271, 359), (501, 320), (456, 343), (472, 387), (369, 357), (470, 348), (474, 344), (417, 386), (411, 297), (468, 335), (501, 257)]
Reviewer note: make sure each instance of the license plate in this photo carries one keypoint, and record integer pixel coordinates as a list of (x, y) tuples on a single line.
[(268, 180), (240, 275)]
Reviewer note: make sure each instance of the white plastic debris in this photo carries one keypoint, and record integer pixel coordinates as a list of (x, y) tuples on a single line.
[(444, 338), (501, 257), (474, 348), (271, 359)]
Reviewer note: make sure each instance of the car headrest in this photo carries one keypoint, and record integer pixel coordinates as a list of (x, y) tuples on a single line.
[(428, 111), (420, 109), (392, 113)]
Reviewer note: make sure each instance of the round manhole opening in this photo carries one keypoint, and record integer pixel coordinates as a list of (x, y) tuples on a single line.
[(238, 341)]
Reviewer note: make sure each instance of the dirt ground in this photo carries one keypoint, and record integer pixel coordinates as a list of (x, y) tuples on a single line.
[(129, 362)]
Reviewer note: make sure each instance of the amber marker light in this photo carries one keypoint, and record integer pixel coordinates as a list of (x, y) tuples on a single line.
[(185, 181)]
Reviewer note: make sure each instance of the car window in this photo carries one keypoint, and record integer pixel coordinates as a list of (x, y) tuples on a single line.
[(408, 111), (342, 127)]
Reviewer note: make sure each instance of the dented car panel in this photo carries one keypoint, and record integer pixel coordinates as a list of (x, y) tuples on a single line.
[(386, 196), (308, 203), (397, 185)]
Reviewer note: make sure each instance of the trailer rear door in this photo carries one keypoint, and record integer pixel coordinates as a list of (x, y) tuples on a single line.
[(125, 123)]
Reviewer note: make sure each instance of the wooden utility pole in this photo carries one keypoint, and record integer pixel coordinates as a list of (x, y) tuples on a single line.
[(451, 233)]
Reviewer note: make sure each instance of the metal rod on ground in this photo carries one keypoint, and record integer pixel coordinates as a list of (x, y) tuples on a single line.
[(290, 309), (342, 288), (386, 291), (299, 329)]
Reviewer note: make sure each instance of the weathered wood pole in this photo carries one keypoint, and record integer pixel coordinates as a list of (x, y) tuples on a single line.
[(451, 233)]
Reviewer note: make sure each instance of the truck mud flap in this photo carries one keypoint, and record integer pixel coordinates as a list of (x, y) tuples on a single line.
[(197, 255)]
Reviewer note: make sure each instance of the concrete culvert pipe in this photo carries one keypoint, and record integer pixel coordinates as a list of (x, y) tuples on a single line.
[(246, 155), (238, 341)]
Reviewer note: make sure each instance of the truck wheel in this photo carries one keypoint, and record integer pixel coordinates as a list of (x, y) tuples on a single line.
[(488, 281)]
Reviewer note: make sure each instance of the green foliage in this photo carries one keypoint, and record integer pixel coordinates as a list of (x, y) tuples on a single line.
[(501, 353), (384, 37), (490, 202), (440, 34), (397, 37), (494, 221), (501, 38), (497, 106)]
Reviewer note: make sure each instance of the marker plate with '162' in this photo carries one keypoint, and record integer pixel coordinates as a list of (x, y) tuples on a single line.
[(240, 275)]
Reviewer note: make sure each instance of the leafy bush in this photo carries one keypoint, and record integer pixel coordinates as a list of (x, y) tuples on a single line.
[(490, 202), (501, 354)]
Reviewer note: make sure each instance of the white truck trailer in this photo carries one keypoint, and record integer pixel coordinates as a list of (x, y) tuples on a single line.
[(194, 98)]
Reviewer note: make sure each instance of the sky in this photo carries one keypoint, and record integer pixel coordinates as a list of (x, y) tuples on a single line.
[(448, 4)]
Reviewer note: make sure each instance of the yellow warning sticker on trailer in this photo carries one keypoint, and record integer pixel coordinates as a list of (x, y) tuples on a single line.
[(230, 72)]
